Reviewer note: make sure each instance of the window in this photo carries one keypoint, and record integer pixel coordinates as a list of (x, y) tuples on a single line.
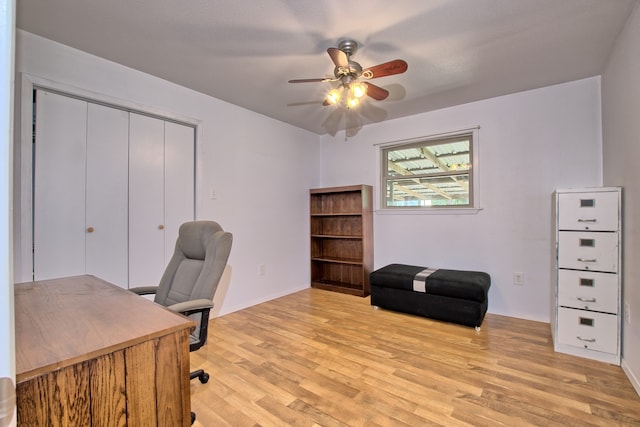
[(429, 173)]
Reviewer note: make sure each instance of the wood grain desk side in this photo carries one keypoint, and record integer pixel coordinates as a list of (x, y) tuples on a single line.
[(91, 353)]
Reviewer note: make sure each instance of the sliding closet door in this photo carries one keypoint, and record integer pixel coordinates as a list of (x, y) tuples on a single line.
[(107, 193), (179, 179), (146, 200), (59, 186), (161, 193), (111, 189), (80, 192)]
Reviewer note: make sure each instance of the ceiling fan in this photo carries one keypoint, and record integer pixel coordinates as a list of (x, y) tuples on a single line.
[(352, 78)]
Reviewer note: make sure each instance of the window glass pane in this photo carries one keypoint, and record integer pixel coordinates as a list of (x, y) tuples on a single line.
[(429, 174), (429, 191), (428, 159)]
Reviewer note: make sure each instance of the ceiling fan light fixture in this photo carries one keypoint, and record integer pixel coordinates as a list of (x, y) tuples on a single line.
[(352, 102), (347, 95), (334, 95), (358, 89)]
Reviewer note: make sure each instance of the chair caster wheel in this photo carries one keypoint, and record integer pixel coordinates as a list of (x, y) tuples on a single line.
[(193, 417), (204, 378)]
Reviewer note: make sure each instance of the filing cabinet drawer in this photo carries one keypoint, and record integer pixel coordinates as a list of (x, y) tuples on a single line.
[(588, 290), (588, 329), (588, 211), (584, 250)]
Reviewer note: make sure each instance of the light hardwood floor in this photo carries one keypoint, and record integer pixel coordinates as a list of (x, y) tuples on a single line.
[(319, 358)]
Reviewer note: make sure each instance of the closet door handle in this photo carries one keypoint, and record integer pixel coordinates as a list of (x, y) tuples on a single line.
[(90, 230), (587, 259), (161, 227), (586, 299)]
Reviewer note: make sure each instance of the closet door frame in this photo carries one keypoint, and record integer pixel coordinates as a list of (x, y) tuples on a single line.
[(23, 157)]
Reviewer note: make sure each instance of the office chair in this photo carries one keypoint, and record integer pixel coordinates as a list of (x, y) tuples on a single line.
[(191, 278)]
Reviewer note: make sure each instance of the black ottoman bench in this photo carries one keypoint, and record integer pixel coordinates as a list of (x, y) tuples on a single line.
[(450, 295)]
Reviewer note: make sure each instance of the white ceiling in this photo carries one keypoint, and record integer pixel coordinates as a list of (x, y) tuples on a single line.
[(245, 51)]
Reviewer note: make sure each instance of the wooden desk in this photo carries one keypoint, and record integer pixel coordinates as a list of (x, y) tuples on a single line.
[(91, 353)]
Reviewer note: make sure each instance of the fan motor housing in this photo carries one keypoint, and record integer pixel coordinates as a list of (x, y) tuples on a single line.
[(353, 70), (348, 46)]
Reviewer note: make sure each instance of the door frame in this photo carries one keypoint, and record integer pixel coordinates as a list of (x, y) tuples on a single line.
[(23, 156), (8, 415)]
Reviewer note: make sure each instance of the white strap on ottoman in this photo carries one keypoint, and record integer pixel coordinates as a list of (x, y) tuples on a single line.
[(420, 279)]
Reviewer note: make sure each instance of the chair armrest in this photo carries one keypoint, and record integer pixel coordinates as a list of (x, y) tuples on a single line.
[(190, 307), (144, 290)]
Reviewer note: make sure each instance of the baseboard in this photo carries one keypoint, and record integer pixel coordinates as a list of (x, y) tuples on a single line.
[(632, 378), (251, 303)]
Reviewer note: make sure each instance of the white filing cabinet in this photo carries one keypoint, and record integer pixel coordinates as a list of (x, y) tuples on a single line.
[(586, 302)]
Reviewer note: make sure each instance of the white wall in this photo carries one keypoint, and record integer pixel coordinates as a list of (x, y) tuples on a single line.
[(260, 168), (530, 144), (621, 141)]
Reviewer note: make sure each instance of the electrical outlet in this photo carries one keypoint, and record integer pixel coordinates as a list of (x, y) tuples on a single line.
[(627, 312), (518, 278), (261, 269)]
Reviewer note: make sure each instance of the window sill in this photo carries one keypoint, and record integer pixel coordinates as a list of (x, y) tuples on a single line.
[(429, 211)]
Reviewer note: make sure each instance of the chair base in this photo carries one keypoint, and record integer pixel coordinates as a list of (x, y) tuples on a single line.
[(200, 374)]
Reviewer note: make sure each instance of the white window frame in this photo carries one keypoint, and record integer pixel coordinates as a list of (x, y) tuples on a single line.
[(472, 208)]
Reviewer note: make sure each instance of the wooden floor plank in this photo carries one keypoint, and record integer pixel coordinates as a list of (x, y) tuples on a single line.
[(319, 358)]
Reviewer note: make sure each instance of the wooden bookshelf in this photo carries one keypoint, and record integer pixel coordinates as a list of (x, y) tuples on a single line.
[(342, 238)]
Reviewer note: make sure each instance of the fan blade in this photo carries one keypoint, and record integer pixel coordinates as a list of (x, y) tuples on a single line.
[(338, 57), (376, 92), (397, 66), (372, 112), (307, 80), (353, 123), (332, 122)]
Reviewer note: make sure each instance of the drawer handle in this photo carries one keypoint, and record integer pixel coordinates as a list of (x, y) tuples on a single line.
[(586, 220), (586, 339), (587, 260), (586, 299)]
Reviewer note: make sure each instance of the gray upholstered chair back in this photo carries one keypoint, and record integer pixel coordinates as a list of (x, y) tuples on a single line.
[(199, 259)]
